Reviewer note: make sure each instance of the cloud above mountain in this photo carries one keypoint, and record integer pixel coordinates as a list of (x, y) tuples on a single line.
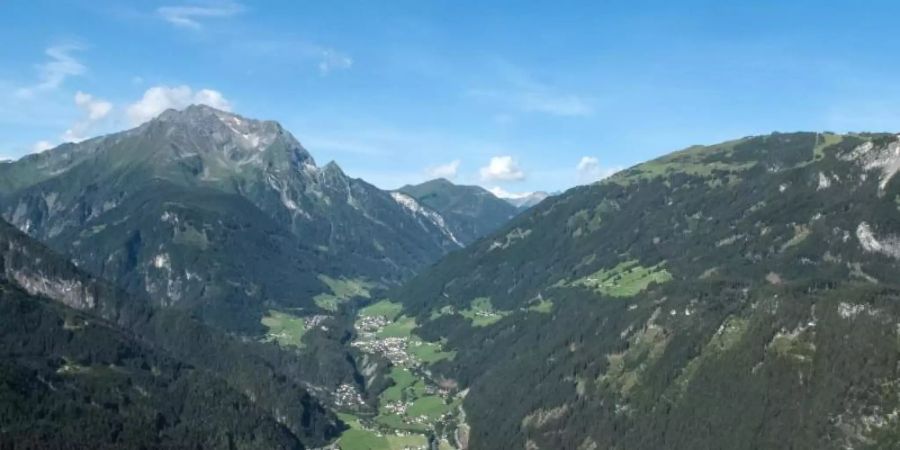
[(590, 170), (93, 110), (448, 171), (160, 98), (502, 168)]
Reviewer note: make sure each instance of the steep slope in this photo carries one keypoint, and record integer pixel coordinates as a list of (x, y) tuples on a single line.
[(469, 211), (221, 214), (102, 342), (69, 380), (743, 295)]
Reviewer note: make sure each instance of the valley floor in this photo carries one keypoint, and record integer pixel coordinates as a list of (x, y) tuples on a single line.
[(417, 411)]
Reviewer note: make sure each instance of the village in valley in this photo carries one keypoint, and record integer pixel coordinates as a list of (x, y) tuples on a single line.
[(417, 410)]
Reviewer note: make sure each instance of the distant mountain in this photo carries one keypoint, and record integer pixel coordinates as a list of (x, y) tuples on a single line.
[(84, 365), (221, 214), (742, 295), (527, 200), (470, 212)]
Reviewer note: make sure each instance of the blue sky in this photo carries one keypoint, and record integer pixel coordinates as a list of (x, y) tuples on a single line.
[(513, 95)]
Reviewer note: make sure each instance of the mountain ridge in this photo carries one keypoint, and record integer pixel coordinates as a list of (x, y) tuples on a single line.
[(470, 211), (266, 183), (719, 288)]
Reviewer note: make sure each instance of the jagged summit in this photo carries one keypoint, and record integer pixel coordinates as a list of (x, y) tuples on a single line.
[(205, 129), (200, 178)]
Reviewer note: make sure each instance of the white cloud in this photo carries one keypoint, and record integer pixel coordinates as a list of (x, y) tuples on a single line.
[(94, 110), (503, 193), (589, 170), (448, 171), (52, 73), (502, 168), (41, 146), (191, 16), (587, 163), (160, 98)]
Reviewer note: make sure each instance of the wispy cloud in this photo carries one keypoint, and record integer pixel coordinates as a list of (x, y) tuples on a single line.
[(93, 110), (448, 171), (536, 99), (520, 92), (193, 15), (292, 51), (502, 168), (60, 65), (160, 98)]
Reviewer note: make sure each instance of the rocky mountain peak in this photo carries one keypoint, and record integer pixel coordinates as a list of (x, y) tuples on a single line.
[(208, 129)]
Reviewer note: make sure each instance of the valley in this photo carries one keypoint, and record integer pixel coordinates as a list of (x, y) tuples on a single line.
[(449, 225), (417, 410), (737, 268)]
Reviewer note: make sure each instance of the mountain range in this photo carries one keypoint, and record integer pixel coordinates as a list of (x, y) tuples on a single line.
[(739, 295), (223, 215)]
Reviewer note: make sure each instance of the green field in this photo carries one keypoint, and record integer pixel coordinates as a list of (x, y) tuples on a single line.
[(624, 280), (692, 160), (342, 290), (448, 310), (411, 389), (402, 327), (385, 308), (482, 313), (403, 380), (430, 406), (359, 437), (428, 352), (542, 306), (285, 329)]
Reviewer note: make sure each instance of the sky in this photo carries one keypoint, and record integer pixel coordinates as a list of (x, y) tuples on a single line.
[(515, 96)]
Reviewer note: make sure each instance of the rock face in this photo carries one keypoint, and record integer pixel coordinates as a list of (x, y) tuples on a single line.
[(742, 295), (213, 211), (469, 212)]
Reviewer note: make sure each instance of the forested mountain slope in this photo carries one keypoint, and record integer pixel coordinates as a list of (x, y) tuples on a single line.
[(741, 295), (85, 364), (470, 211)]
